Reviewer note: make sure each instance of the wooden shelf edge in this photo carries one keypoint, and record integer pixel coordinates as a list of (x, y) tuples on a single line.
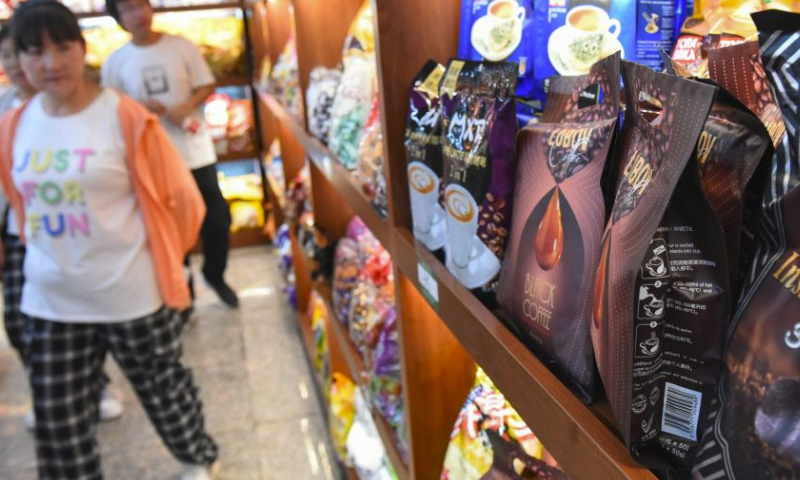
[(344, 180), (359, 375), (180, 9), (233, 82), (567, 428), (237, 157)]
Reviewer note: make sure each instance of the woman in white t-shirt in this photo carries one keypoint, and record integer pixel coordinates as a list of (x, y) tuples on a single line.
[(107, 210), (12, 253)]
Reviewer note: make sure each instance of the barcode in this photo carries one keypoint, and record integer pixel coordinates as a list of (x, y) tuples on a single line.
[(681, 411)]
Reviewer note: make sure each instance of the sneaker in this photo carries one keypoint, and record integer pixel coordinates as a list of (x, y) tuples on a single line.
[(110, 409), (200, 472), (30, 420), (226, 294), (110, 406)]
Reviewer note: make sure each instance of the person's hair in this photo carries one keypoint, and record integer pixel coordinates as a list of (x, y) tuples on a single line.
[(36, 18), (112, 8), (5, 32)]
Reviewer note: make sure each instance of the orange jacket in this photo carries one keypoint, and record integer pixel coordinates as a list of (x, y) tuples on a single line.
[(171, 205)]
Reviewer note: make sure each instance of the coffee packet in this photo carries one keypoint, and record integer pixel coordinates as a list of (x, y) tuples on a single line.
[(479, 128), (756, 432), (660, 295), (557, 222), (423, 142)]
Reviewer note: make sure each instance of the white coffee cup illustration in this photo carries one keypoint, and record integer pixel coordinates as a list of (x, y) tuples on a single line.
[(588, 26), (502, 17), (656, 267), (424, 196), (462, 225)]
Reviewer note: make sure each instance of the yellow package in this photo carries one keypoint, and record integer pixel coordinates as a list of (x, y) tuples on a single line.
[(361, 35), (342, 413)]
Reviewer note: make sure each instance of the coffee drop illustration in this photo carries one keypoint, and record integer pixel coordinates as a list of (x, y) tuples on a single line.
[(600, 283), (549, 242)]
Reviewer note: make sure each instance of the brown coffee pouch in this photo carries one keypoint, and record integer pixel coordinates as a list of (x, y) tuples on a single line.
[(756, 432), (557, 222), (660, 296), (423, 142)]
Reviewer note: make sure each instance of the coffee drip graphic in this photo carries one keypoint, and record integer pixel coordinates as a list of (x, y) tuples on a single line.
[(549, 242)]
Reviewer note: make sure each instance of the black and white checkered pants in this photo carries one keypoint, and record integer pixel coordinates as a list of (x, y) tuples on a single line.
[(13, 279), (66, 362)]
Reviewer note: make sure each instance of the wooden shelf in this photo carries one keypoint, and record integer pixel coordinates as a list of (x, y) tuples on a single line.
[(359, 375), (567, 428), (180, 9), (344, 180), (248, 238), (237, 157), (233, 82)]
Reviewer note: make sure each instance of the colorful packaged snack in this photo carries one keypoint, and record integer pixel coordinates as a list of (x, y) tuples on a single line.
[(490, 441), (319, 315), (342, 413), (661, 295), (373, 299), (499, 30), (479, 127), (321, 92), (557, 224), (756, 433), (572, 35), (371, 160), (365, 447), (285, 79), (348, 262), (423, 142), (386, 380)]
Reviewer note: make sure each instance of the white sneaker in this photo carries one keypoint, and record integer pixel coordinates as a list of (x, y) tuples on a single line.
[(110, 409), (110, 406), (200, 472), (30, 420)]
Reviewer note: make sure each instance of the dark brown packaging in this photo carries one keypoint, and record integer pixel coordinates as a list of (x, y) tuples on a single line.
[(479, 131), (660, 296), (756, 432), (557, 222), (424, 157)]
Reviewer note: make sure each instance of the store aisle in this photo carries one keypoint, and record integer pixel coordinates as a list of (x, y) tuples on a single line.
[(255, 383)]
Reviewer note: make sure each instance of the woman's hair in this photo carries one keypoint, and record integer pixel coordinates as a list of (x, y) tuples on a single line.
[(36, 18)]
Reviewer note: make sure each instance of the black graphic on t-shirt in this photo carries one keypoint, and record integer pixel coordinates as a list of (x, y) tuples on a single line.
[(155, 80)]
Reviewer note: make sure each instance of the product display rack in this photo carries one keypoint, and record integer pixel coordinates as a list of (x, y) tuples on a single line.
[(444, 330)]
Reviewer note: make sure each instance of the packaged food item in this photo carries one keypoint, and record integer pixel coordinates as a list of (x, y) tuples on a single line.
[(241, 126), (373, 299), (756, 433), (319, 316), (572, 36), (498, 30), (322, 85), (216, 114), (355, 92), (661, 296), (557, 222), (691, 49), (423, 142), (285, 79), (490, 441), (342, 413), (479, 127), (386, 379), (348, 262), (365, 447), (371, 160)]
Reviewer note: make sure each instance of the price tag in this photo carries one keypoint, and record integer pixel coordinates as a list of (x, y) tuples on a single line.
[(326, 165), (428, 284)]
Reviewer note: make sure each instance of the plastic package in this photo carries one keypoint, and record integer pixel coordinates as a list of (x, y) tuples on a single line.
[(320, 95), (367, 454), (342, 413)]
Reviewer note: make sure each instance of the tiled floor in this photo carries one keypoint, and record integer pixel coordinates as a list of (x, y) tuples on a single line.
[(257, 389)]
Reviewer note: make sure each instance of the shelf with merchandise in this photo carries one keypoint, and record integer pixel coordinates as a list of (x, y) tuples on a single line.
[(445, 332)]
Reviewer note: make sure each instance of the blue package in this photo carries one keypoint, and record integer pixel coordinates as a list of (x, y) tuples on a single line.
[(571, 35), (499, 30)]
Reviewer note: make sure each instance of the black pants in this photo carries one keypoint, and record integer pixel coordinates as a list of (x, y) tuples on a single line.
[(215, 232)]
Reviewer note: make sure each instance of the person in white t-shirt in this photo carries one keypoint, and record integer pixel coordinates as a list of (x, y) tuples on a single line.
[(12, 254), (107, 210), (169, 75)]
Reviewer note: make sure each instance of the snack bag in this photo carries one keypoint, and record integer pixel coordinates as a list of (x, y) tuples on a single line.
[(373, 298), (691, 49), (756, 433), (342, 413), (425, 170), (351, 107), (371, 160), (386, 380), (490, 441), (479, 127), (320, 95), (499, 30), (559, 210), (319, 314), (661, 295), (241, 126), (365, 447)]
